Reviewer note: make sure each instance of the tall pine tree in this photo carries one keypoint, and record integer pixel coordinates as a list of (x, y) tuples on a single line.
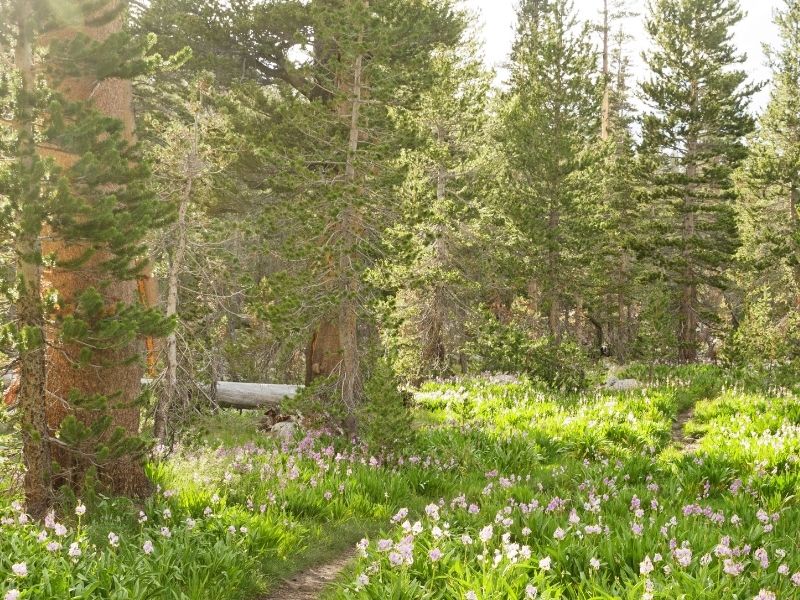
[(770, 178), (693, 135), (550, 117)]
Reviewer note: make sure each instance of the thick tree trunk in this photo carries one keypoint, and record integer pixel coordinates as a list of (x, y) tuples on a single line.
[(324, 352), (112, 374), (32, 368)]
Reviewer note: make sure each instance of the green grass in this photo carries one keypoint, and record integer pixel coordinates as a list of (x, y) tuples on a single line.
[(509, 448)]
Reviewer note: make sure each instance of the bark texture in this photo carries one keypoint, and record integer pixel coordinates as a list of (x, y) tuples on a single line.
[(30, 391), (107, 375)]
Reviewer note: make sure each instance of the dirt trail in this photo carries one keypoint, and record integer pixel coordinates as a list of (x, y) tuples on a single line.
[(679, 437), (309, 584)]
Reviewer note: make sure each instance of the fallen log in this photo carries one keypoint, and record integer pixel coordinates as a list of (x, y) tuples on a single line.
[(252, 395), (232, 394)]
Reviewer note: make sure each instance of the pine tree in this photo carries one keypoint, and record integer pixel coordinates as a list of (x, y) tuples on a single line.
[(443, 252), (612, 301), (693, 136), (549, 128), (770, 178), (78, 209)]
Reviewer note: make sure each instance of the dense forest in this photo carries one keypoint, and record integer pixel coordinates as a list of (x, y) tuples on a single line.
[(438, 264)]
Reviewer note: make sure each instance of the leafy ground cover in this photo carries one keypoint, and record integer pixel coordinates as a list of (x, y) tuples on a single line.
[(509, 491)]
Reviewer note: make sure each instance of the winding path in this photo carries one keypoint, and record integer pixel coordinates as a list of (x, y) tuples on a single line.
[(309, 584), (679, 436)]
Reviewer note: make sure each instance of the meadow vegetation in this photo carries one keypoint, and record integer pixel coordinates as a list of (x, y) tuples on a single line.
[(508, 490)]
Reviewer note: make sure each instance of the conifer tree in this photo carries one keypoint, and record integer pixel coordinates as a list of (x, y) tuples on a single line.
[(550, 122), (442, 254), (612, 299), (78, 208), (693, 136), (770, 178)]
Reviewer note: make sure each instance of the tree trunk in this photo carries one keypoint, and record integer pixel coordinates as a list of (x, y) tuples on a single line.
[(32, 368), (688, 303), (112, 374), (167, 400), (334, 345), (348, 313), (553, 261), (794, 219)]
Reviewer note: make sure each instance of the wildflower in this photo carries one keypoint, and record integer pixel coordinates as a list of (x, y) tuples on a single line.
[(142, 517), (435, 554), (765, 595), (167, 513), (762, 557), (466, 539), (594, 563), (53, 547), (526, 531), (705, 560), (432, 510), (646, 566), (207, 512), (113, 539), (148, 547), (166, 532), (42, 536), (362, 580), (593, 530), (401, 514), (60, 530), (559, 534), (473, 509), (470, 595), (74, 550), (531, 591), (732, 568), (486, 533), (395, 558), (683, 556), (190, 523), (12, 595), (783, 569), (243, 529), (20, 569), (385, 545), (796, 579), (80, 510), (545, 565)]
